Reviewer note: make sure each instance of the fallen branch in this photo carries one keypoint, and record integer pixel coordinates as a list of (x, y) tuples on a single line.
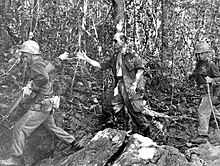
[(149, 112)]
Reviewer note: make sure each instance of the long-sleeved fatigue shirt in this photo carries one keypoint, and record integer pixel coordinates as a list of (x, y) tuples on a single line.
[(132, 62), (208, 68), (42, 82)]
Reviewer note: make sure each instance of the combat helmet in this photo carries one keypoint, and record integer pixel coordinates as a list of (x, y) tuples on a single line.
[(31, 47), (202, 47)]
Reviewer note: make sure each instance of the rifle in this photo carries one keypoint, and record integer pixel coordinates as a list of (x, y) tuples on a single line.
[(12, 108)]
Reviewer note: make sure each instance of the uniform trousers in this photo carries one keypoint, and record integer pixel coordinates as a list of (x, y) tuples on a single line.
[(37, 114), (204, 113), (134, 105)]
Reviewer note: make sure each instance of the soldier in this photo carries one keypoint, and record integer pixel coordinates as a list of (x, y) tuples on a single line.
[(206, 71), (40, 91), (128, 71)]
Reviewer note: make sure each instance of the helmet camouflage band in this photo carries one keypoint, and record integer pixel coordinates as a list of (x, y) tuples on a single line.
[(202, 47), (31, 47)]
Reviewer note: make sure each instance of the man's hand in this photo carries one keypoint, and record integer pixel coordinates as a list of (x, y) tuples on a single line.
[(132, 89), (116, 91), (81, 55), (64, 56), (56, 101), (208, 79), (27, 89)]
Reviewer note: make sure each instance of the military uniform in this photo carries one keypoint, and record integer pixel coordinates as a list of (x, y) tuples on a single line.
[(39, 111), (131, 63), (40, 91), (203, 69)]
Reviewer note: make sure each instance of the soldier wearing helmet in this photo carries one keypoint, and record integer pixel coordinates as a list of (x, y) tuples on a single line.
[(41, 93), (202, 50), (206, 71), (127, 95)]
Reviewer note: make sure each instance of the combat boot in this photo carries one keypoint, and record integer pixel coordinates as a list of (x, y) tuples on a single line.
[(76, 146)]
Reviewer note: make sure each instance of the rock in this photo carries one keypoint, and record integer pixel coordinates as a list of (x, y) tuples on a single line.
[(143, 151), (97, 152), (112, 147), (168, 155), (137, 152), (207, 154)]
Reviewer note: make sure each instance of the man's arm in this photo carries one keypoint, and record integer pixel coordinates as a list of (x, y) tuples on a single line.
[(94, 63), (40, 72), (215, 74), (39, 76), (214, 80), (140, 70), (137, 77), (57, 62)]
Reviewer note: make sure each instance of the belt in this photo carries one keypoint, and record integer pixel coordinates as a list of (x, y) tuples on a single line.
[(40, 97)]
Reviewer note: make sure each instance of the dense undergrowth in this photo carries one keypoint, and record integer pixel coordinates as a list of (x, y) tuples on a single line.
[(163, 33)]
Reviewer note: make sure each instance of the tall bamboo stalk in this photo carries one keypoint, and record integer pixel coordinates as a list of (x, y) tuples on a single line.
[(134, 28), (82, 29)]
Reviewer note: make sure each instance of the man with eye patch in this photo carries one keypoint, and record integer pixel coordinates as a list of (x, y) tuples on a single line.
[(128, 69), (206, 72)]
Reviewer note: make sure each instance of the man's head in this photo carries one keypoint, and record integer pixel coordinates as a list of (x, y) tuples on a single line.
[(29, 48), (119, 40), (202, 50)]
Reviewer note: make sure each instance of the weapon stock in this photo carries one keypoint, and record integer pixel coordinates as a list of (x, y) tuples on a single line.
[(12, 108)]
